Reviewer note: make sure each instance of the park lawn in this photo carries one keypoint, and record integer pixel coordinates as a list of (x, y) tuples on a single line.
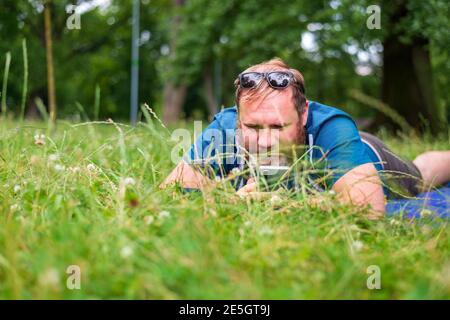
[(89, 197)]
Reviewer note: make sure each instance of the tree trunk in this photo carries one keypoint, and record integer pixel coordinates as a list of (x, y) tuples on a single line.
[(173, 96), (49, 53), (208, 90), (407, 82)]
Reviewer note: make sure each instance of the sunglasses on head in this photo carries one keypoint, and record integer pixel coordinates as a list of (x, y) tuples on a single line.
[(275, 79)]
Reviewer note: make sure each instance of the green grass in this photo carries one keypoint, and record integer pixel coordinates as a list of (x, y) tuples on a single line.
[(66, 203)]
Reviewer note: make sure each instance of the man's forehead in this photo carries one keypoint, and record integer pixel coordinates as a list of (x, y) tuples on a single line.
[(264, 68), (275, 101), (268, 111), (265, 117)]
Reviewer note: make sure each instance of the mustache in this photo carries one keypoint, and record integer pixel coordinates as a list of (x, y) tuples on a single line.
[(269, 158)]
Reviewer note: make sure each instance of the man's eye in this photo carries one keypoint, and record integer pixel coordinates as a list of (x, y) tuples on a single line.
[(252, 126), (277, 127)]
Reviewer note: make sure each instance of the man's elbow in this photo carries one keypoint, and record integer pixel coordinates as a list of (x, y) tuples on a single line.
[(362, 187)]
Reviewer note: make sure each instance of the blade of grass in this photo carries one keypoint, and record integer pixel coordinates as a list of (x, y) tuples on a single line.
[(25, 79), (82, 111), (42, 109), (5, 82), (97, 102)]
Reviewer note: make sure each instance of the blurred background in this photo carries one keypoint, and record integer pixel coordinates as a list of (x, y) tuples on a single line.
[(190, 52)]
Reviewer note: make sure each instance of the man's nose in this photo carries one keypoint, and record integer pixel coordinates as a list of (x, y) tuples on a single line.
[(267, 138)]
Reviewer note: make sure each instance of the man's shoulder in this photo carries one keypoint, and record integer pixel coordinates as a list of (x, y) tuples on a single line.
[(226, 118), (326, 110), (320, 114)]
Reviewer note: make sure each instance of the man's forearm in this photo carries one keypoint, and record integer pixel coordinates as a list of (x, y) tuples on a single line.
[(362, 186)]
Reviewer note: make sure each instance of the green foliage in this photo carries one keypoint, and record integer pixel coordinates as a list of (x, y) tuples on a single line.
[(182, 43), (97, 54), (241, 33)]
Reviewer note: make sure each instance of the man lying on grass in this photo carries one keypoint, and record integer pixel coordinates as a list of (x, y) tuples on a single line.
[(273, 126)]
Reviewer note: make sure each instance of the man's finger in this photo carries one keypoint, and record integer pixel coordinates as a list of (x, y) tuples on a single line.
[(249, 187)]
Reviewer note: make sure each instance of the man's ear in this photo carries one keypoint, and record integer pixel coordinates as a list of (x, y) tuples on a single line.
[(305, 113)]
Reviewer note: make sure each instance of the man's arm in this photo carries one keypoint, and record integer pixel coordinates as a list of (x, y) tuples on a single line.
[(362, 186), (187, 176)]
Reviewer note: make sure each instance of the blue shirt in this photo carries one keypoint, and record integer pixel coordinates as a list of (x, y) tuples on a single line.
[(331, 134)]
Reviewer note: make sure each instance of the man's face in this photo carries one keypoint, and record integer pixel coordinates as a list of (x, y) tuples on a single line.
[(270, 125)]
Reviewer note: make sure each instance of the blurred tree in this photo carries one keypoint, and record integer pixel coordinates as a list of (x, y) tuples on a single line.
[(328, 41), (174, 91), (49, 56), (96, 54), (408, 84), (192, 51)]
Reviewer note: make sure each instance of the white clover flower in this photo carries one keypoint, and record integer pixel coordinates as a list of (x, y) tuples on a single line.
[(149, 220), (126, 252), (91, 167), (164, 214), (275, 200), (59, 167), (357, 245), (39, 139), (425, 213), (265, 231), (53, 157), (17, 188), (49, 278), (14, 207), (74, 169), (128, 181)]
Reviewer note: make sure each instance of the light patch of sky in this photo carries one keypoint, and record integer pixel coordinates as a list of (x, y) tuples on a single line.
[(335, 4), (314, 26), (91, 5), (363, 70), (308, 42), (365, 58), (165, 49), (145, 37)]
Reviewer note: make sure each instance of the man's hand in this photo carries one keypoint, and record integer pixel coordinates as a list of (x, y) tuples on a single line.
[(187, 176), (248, 188)]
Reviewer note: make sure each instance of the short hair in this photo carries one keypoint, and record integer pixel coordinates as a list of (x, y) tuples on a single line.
[(275, 64)]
